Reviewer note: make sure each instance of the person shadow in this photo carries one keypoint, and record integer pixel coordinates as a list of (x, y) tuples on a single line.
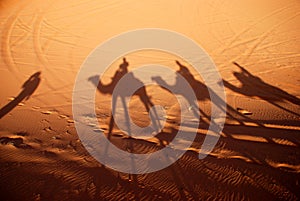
[(28, 89), (125, 93), (253, 86)]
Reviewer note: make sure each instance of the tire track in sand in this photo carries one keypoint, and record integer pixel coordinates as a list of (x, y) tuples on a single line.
[(238, 35), (46, 67), (267, 33), (6, 51)]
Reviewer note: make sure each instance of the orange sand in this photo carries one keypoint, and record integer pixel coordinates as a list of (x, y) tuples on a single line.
[(255, 45)]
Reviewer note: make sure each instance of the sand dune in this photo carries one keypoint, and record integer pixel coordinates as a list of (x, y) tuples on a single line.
[(255, 46)]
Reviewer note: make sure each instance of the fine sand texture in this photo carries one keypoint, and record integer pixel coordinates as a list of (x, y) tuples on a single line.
[(255, 45)]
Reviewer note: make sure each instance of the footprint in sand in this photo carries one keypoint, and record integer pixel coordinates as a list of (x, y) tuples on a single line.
[(17, 142)]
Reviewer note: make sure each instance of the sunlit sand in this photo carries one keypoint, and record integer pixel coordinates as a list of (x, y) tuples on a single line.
[(255, 45)]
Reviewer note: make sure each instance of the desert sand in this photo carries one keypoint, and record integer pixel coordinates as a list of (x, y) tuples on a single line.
[(255, 45)]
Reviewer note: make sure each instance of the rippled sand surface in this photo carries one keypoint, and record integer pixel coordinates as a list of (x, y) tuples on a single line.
[(255, 46)]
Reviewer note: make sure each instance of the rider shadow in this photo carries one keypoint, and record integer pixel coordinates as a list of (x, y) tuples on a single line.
[(28, 89), (253, 86), (123, 94)]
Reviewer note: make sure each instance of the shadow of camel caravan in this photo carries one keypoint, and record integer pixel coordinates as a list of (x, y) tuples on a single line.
[(116, 47)]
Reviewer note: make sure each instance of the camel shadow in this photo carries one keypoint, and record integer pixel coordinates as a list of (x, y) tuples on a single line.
[(28, 89), (253, 86), (124, 93), (202, 94), (179, 89)]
